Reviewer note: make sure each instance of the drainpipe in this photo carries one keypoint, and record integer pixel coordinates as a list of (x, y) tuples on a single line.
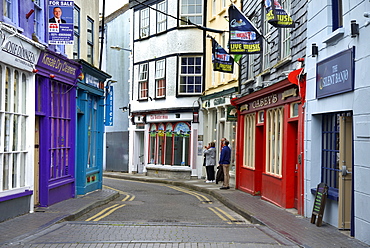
[(102, 36)]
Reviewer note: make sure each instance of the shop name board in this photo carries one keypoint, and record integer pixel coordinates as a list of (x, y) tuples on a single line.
[(158, 117), (19, 51), (60, 66), (335, 75), (22, 53), (265, 101), (219, 101)]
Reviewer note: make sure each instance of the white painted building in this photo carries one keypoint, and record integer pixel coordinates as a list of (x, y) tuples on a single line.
[(167, 81), (337, 131)]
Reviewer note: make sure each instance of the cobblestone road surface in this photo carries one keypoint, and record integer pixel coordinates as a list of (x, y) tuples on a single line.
[(120, 234)]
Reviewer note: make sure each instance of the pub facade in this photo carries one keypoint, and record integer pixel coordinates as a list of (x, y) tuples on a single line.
[(269, 148)]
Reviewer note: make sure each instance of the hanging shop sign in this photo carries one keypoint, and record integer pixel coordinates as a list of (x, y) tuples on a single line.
[(17, 52), (335, 75), (109, 107)]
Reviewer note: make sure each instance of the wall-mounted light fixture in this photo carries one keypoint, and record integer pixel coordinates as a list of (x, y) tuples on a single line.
[(355, 30), (314, 50), (118, 48)]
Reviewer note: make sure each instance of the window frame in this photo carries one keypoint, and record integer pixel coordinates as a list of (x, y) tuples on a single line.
[(38, 18), (188, 16), (90, 42), (13, 16), (337, 14), (274, 147), (161, 18), (143, 87), (267, 31), (160, 78), (330, 150), (14, 120), (144, 23), (76, 32), (249, 141), (186, 76), (285, 33)]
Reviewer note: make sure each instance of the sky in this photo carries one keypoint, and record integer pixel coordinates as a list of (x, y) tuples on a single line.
[(111, 5)]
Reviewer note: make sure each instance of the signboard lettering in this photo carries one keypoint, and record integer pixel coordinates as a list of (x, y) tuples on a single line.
[(319, 204), (335, 75)]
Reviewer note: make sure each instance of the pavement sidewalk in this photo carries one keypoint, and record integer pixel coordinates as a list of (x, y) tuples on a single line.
[(294, 227)]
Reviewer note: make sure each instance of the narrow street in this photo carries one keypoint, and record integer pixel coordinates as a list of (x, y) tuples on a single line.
[(156, 215)]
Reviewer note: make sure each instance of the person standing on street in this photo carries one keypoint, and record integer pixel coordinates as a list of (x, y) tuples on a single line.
[(210, 154), (225, 157)]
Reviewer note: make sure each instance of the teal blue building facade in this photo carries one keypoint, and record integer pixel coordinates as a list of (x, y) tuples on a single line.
[(90, 128)]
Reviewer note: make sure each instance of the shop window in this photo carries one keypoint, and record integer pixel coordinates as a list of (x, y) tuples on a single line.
[(92, 131), (60, 143), (181, 144), (294, 110), (161, 143), (13, 129), (169, 144), (261, 117), (152, 143), (330, 150), (249, 140), (274, 135)]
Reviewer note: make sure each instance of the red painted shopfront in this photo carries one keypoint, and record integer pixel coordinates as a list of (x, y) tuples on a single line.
[(270, 145)]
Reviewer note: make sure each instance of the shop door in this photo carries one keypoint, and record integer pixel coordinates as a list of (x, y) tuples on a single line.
[(36, 163), (294, 154), (139, 152), (345, 176)]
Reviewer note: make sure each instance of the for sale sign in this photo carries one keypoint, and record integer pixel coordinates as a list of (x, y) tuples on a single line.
[(60, 23)]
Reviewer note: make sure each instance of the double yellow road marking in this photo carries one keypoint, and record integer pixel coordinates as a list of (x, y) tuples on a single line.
[(205, 200), (202, 198), (107, 211)]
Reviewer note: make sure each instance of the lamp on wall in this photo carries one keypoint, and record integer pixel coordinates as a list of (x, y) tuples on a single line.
[(355, 30), (314, 50)]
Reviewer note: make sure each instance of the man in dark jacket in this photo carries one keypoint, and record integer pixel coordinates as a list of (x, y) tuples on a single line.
[(225, 157)]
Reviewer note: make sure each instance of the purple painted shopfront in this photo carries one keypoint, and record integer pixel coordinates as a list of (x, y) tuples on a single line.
[(55, 128)]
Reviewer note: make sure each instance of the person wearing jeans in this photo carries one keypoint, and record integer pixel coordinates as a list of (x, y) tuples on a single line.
[(210, 154), (225, 157)]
